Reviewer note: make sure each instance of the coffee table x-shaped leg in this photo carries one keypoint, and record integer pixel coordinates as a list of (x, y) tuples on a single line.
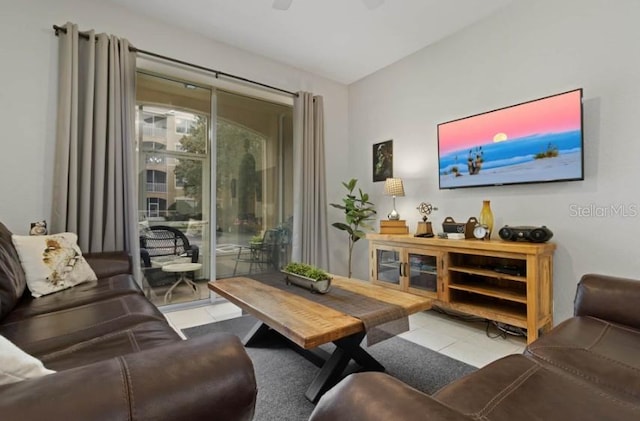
[(332, 366)]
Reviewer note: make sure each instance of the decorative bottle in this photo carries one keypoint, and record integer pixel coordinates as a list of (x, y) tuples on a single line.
[(486, 217)]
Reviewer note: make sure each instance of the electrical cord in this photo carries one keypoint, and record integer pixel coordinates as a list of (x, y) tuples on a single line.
[(506, 329), (500, 333)]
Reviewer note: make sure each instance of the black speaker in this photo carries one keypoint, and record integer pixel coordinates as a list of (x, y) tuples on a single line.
[(540, 235), (505, 233), (525, 233)]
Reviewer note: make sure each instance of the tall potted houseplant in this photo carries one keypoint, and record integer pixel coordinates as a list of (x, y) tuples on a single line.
[(357, 211)]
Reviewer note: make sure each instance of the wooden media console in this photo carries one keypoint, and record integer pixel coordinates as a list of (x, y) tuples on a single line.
[(508, 282)]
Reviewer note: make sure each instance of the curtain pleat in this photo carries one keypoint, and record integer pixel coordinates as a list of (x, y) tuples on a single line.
[(94, 180), (85, 128), (310, 235)]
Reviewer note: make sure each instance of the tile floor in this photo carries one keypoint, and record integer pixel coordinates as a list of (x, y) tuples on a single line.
[(460, 339)]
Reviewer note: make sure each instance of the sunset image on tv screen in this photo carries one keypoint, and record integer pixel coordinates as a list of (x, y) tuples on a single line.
[(536, 141)]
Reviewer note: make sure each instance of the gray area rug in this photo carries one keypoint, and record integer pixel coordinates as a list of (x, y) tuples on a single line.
[(283, 375)]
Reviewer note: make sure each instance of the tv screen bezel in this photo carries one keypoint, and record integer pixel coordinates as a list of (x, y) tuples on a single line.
[(580, 178)]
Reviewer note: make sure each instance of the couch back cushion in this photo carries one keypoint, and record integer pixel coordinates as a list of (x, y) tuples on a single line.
[(12, 278)]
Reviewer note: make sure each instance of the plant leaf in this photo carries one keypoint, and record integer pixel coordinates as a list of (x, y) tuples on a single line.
[(341, 226)]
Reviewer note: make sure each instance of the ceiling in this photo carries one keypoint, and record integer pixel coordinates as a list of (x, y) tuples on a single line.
[(343, 40)]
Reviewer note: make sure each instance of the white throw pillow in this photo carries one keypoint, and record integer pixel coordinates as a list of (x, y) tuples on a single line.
[(52, 262), (17, 365)]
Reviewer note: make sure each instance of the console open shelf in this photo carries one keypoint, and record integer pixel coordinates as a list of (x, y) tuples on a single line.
[(491, 291), (489, 273), (509, 282)]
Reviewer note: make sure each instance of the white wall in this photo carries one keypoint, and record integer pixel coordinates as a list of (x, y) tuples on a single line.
[(529, 50), (28, 49)]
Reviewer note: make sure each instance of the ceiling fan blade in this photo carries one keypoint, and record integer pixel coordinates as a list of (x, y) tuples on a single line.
[(282, 4), (372, 4)]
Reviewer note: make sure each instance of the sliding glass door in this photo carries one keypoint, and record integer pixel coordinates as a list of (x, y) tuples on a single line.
[(254, 184), (215, 179), (174, 165)]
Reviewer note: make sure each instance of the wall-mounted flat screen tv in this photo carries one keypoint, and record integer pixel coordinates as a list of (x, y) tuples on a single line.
[(532, 142)]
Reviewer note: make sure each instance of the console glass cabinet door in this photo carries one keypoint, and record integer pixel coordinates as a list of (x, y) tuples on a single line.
[(422, 275), (388, 266), (406, 269)]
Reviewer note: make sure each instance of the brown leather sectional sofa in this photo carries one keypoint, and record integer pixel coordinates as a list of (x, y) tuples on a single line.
[(115, 355), (586, 368)]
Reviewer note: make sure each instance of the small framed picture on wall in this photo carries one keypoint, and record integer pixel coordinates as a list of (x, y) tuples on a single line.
[(383, 160)]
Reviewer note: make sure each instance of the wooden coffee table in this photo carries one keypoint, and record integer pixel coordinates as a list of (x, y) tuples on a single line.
[(308, 324)]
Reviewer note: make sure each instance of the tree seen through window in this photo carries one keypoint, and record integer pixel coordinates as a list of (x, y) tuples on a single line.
[(238, 186)]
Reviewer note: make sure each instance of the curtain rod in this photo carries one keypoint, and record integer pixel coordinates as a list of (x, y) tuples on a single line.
[(217, 73)]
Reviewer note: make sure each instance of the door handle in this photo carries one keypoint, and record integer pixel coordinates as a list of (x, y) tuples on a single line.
[(402, 269)]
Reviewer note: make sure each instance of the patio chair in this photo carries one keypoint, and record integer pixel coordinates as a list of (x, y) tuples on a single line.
[(260, 253), (162, 245)]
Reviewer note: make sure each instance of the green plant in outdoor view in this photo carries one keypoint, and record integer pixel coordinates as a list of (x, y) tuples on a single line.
[(189, 170), (308, 271), (231, 142), (357, 211)]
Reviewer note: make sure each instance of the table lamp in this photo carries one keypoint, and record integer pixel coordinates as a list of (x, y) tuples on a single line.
[(393, 187)]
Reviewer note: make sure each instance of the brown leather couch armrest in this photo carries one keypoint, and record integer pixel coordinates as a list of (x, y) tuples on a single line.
[(609, 298), (109, 263), (209, 377), (379, 397)]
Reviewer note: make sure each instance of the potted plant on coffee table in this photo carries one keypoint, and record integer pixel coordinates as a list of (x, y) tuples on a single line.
[(307, 276)]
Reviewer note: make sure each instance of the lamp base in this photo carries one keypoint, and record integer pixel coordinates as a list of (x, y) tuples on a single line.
[(393, 215)]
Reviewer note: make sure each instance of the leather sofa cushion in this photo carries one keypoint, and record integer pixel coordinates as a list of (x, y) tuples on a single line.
[(79, 295), (519, 388), (109, 263), (375, 396), (58, 330), (600, 352), (146, 335), (12, 278), (609, 298), (205, 378)]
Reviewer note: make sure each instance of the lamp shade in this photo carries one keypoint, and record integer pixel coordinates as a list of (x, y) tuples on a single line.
[(394, 187)]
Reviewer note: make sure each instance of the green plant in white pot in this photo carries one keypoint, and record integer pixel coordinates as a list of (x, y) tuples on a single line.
[(357, 212), (307, 276)]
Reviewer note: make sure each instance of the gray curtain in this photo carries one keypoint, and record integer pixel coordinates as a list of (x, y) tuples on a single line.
[(94, 180), (309, 242)]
